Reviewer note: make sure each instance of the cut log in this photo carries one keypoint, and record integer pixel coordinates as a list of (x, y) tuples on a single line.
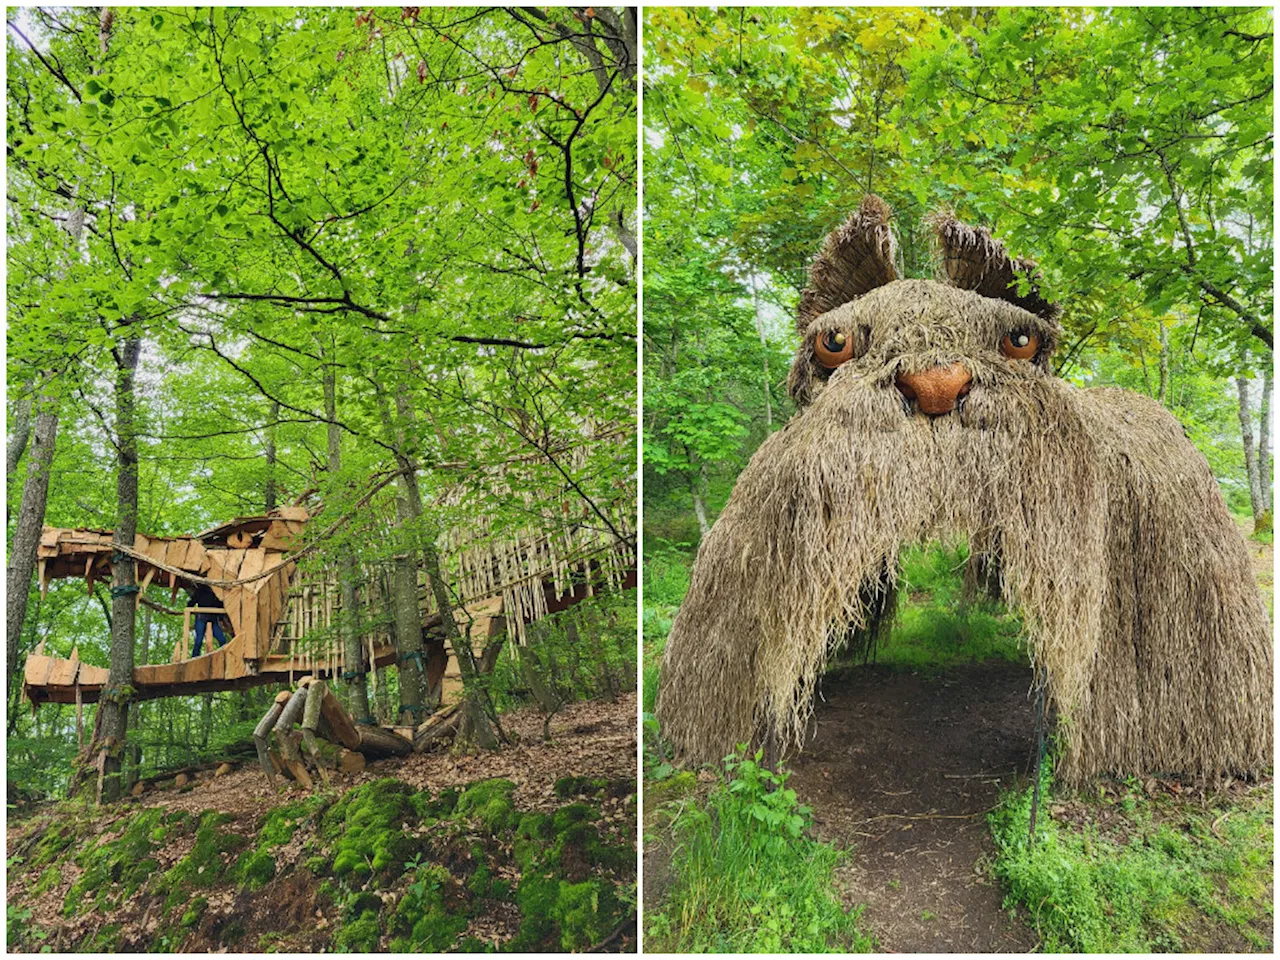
[(263, 730), (223, 770), (376, 743), (337, 726), (350, 761), (316, 693), (138, 789), (440, 726), (181, 780)]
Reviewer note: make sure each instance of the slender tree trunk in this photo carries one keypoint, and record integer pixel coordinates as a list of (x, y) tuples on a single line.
[(349, 622), (19, 433), (269, 489), (1250, 459), (1164, 366), (114, 703), (1264, 442), (408, 615), (700, 501), (26, 534), (135, 708), (764, 353)]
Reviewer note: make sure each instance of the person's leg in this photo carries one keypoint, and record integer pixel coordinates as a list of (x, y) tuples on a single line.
[(201, 620), (218, 635)]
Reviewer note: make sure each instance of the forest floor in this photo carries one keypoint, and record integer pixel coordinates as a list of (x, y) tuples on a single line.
[(531, 847), (904, 769)]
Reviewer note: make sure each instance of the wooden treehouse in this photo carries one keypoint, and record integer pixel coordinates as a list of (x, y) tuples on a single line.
[(283, 620)]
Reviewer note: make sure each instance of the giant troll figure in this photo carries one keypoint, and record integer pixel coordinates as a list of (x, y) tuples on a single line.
[(929, 408)]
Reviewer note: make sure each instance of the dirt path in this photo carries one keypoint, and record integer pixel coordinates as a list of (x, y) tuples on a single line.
[(904, 769)]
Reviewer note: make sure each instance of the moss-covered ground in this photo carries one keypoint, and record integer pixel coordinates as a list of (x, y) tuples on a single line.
[(381, 867)]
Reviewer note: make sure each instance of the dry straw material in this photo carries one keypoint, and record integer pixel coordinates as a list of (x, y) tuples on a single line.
[(1098, 519)]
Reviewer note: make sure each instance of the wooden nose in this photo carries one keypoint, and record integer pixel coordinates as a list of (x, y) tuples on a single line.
[(936, 391)]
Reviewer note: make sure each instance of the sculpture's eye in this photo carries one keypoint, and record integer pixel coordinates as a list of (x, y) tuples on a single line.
[(833, 348), (1020, 345)]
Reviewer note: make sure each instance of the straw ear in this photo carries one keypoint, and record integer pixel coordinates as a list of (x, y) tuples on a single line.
[(971, 259), (856, 258)]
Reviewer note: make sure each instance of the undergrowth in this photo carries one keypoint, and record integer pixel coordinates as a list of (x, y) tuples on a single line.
[(937, 627), (1174, 876), (749, 879)]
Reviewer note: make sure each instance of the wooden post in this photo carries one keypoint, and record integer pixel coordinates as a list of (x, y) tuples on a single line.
[(186, 632), (263, 730)]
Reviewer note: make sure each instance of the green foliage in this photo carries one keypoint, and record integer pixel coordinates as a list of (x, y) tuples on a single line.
[(1163, 885), (935, 627), (583, 653), (748, 879)]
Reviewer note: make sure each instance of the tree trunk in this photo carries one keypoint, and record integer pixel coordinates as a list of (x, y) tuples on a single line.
[(764, 353), (114, 703), (135, 748), (475, 726), (1164, 366), (349, 622), (408, 615), (700, 501), (1250, 459), (1264, 442), (269, 488), (26, 534), (19, 434)]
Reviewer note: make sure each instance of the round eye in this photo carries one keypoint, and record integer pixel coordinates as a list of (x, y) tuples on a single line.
[(1020, 345), (833, 348)]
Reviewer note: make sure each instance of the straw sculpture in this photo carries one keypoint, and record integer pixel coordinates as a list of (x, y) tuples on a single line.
[(929, 409)]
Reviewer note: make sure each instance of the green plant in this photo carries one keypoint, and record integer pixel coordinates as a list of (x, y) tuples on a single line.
[(748, 878), (1161, 884)]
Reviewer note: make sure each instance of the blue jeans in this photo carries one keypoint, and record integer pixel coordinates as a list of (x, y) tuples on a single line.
[(201, 620)]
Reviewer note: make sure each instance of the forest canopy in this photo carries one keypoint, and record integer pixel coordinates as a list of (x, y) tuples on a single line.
[(1128, 151), (264, 255)]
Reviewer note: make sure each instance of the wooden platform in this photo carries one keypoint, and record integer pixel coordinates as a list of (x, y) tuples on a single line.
[(274, 618), (50, 679)]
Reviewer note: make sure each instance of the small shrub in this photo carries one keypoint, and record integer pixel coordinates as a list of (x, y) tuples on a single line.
[(748, 879)]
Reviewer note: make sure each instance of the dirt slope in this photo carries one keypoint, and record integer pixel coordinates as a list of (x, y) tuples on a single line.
[(533, 846)]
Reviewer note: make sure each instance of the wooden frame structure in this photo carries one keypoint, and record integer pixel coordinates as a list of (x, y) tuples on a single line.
[(249, 565)]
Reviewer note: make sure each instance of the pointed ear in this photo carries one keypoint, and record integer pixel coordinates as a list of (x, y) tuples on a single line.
[(856, 258), (971, 259)]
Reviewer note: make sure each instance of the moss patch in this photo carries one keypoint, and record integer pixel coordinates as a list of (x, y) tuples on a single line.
[(257, 867), (207, 863), (115, 869), (366, 825), (430, 915), (489, 802)]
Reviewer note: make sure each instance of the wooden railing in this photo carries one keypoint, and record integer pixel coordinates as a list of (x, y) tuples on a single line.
[(182, 649)]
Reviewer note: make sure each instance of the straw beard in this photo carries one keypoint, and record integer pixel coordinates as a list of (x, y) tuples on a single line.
[(1104, 523)]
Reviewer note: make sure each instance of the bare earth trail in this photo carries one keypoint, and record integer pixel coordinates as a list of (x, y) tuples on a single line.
[(904, 769)]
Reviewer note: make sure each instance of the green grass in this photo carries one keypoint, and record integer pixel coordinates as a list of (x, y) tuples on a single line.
[(1140, 875), (935, 627), (748, 878)]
